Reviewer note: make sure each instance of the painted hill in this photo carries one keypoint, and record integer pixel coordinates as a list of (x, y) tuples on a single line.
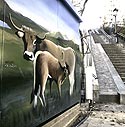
[(18, 18)]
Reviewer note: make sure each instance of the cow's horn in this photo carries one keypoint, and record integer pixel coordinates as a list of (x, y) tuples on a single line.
[(16, 27), (43, 37)]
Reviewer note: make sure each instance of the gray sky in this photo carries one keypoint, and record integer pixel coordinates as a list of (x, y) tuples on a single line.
[(97, 10)]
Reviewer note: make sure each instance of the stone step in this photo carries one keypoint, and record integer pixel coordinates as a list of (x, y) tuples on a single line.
[(123, 79), (119, 67), (115, 50), (116, 56), (120, 70), (119, 64), (122, 74), (106, 98), (109, 46), (116, 61), (113, 46), (112, 52)]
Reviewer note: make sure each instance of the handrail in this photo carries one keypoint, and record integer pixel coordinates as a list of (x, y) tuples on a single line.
[(121, 35)]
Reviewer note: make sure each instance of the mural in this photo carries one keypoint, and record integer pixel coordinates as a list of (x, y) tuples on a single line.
[(40, 61)]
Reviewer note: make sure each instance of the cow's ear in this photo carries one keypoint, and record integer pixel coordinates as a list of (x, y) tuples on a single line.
[(20, 34), (37, 37), (38, 40)]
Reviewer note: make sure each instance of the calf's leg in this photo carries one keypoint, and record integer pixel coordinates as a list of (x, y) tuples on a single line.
[(43, 81)]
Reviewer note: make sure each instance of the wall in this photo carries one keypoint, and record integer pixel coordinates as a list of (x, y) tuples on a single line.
[(61, 27)]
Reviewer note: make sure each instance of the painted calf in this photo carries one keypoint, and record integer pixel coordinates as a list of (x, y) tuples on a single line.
[(46, 64)]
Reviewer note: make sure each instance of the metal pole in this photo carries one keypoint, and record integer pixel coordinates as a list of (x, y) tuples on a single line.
[(116, 30), (83, 94), (115, 24), (116, 10)]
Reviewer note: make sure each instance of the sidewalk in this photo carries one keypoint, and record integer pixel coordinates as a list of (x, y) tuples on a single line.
[(106, 115)]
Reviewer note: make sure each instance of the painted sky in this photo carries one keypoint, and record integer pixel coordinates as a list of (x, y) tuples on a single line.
[(29, 10), (4, 24), (39, 12)]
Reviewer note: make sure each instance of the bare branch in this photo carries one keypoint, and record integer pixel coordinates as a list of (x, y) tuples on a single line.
[(83, 7), (78, 4)]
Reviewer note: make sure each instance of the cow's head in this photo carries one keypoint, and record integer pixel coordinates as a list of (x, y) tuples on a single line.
[(29, 38)]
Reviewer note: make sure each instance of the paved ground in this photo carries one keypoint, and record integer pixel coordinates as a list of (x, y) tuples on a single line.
[(106, 115)]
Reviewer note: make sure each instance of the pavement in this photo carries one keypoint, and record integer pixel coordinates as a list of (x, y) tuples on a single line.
[(106, 115)]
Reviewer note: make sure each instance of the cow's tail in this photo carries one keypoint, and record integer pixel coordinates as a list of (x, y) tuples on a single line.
[(34, 84)]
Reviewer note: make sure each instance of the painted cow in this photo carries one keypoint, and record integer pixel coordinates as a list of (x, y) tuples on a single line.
[(46, 64), (66, 56)]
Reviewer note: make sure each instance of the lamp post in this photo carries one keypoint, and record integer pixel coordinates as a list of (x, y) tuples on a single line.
[(115, 15)]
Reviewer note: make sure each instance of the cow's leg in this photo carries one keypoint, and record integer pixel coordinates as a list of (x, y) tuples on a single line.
[(44, 76), (50, 84), (71, 67), (39, 95), (35, 85), (36, 94), (59, 87), (36, 88), (71, 80), (59, 83), (35, 101)]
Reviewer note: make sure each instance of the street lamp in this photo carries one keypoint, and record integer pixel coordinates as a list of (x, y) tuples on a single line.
[(115, 11)]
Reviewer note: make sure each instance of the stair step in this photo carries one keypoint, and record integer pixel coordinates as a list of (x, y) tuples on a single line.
[(116, 61), (120, 58), (120, 70), (119, 64), (123, 78), (122, 74), (114, 51), (117, 56)]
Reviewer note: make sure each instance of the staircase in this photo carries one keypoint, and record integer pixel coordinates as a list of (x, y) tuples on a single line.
[(116, 54)]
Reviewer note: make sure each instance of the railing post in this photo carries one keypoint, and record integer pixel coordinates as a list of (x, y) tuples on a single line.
[(83, 94)]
